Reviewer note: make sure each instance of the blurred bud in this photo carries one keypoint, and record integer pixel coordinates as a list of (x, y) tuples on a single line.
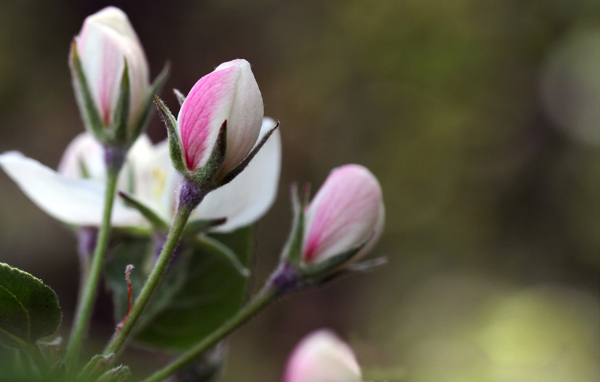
[(105, 43), (346, 214), (341, 224), (229, 94), (83, 158), (322, 357)]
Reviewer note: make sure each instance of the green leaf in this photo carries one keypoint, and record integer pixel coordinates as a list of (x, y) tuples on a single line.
[(211, 291), (28, 308)]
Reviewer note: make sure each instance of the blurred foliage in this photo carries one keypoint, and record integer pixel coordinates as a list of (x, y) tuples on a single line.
[(480, 118)]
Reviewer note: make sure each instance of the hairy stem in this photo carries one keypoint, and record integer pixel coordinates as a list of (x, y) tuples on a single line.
[(262, 299), (175, 233)]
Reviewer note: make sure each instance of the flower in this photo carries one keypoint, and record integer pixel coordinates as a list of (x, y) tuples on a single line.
[(228, 94), (242, 201), (346, 212), (105, 44), (75, 194), (322, 357)]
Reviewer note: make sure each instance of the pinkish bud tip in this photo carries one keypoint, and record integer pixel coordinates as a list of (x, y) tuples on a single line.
[(230, 93), (346, 211), (322, 357)]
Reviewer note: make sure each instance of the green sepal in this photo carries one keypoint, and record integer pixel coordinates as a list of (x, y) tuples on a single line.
[(175, 149), (180, 97), (121, 114), (59, 371), (194, 227), (156, 221), (87, 106), (293, 247), (242, 165), (204, 178), (367, 265), (52, 348), (146, 109), (324, 267), (29, 309), (85, 172), (116, 374), (209, 244), (96, 364)]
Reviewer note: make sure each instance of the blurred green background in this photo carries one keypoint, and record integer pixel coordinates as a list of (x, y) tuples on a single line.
[(480, 118)]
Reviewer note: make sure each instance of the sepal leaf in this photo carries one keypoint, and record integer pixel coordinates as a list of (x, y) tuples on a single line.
[(332, 263), (293, 248), (215, 246), (242, 165), (204, 178), (121, 116), (156, 221), (180, 96), (194, 227), (84, 95), (175, 149)]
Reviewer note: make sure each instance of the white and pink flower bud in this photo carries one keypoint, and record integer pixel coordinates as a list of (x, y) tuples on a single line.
[(106, 41), (230, 93), (345, 213), (322, 357)]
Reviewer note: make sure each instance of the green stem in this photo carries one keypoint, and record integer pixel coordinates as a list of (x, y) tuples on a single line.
[(266, 296), (88, 296), (121, 334), (38, 358)]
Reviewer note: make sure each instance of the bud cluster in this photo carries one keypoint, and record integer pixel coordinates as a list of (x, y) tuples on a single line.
[(217, 172)]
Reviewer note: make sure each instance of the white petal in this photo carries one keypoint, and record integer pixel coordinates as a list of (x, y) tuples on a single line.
[(157, 182), (73, 201), (83, 151), (250, 195)]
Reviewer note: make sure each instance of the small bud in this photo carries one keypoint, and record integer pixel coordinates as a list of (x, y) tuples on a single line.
[(322, 357), (346, 213), (107, 45), (229, 95)]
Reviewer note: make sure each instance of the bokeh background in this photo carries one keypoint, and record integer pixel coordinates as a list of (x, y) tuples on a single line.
[(481, 119)]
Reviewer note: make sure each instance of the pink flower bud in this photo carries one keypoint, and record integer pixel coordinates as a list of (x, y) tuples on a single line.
[(230, 93), (322, 357), (346, 211), (106, 41)]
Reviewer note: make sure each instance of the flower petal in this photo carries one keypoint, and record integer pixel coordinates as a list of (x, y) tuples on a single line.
[(229, 93), (346, 210), (72, 201), (105, 42), (250, 195), (322, 357)]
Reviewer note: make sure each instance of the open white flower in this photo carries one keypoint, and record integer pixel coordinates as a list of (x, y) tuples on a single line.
[(75, 194)]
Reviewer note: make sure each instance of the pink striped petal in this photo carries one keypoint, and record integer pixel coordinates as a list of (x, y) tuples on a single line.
[(346, 211), (105, 42), (230, 93), (322, 357)]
